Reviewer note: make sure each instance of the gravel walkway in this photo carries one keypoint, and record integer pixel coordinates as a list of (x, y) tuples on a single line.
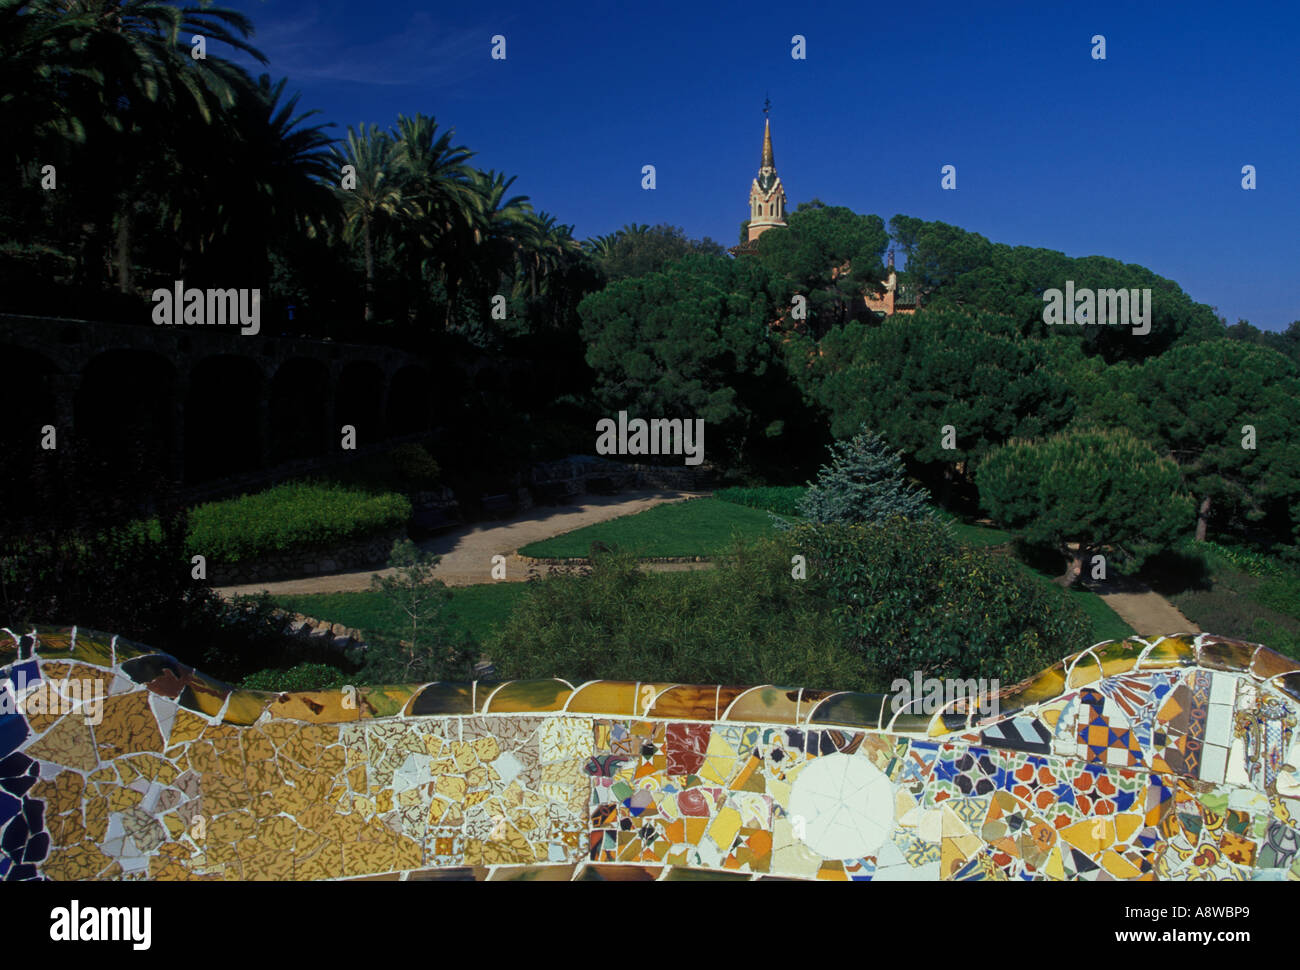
[(467, 551), (1149, 613)]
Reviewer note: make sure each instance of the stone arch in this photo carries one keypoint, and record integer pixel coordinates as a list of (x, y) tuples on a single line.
[(359, 401), (299, 405), (124, 413), (30, 402), (225, 414), (409, 400)]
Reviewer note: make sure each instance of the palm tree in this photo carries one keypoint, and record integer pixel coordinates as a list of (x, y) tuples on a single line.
[(34, 55), (439, 180), (503, 223), (276, 183), (126, 80), (485, 249), (295, 163), (439, 184), (600, 247), (548, 246), (377, 203)]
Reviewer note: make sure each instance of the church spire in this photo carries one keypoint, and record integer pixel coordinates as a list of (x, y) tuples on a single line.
[(766, 195)]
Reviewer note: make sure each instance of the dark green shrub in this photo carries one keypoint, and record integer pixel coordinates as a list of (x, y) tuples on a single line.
[(865, 482), (422, 645), (911, 598), (1087, 491), (133, 580), (879, 602), (414, 467), (296, 514), (1281, 593), (1227, 613), (304, 676), (782, 499), (1247, 560), (136, 582), (744, 622)]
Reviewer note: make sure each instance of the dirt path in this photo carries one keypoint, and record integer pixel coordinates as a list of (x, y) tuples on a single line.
[(467, 552), (1147, 612)]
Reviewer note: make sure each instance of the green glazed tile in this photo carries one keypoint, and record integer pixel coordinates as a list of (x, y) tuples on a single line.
[(527, 695), (1234, 655), (852, 710), (442, 699), (766, 705), (1169, 652), (385, 701)]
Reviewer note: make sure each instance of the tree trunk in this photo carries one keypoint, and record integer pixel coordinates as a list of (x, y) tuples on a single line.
[(1074, 561), (453, 291), (122, 249), (946, 487), (1202, 519), (370, 274)]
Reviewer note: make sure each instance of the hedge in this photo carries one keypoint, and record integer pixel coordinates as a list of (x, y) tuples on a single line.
[(290, 516), (781, 499), (878, 602)]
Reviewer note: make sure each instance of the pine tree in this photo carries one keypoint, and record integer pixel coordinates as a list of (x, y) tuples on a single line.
[(1083, 492), (865, 482)]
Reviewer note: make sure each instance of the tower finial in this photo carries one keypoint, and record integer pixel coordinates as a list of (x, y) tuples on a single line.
[(768, 160)]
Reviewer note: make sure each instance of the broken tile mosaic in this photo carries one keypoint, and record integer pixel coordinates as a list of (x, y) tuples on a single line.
[(1174, 759)]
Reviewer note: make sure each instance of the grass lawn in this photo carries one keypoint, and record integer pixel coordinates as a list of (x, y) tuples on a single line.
[(1246, 607), (975, 535), (1106, 623), (699, 527), (475, 609)]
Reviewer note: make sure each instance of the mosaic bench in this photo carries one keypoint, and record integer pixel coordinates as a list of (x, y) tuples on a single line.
[(1170, 759)]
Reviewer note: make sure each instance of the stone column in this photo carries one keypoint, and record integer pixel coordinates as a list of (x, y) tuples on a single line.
[(384, 430), (180, 394), (330, 441), (63, 388), (264, 442)]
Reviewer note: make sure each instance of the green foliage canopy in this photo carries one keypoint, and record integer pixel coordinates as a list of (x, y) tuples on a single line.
[(865, 482), (1099, 489)]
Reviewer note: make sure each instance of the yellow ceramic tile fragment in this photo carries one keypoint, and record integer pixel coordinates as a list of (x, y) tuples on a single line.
[(1086, 671), (1054, 868), (68, 743), (1118, 866), (1126, 823), (724, 828), (609, 697), (1090, 835)]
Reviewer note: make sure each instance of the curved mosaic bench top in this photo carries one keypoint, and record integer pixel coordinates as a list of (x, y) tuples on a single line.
[(1173, 759)]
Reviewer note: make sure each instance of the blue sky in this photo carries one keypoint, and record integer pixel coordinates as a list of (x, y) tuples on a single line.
[(1137, 157)]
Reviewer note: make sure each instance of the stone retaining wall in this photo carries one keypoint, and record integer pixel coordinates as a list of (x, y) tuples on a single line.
[(360, 553), (577, 472), (322, 637)]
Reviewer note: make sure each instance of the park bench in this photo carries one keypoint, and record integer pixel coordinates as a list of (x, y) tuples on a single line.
[(603, 485), (552, 493), (435, 519), (501, 506)]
